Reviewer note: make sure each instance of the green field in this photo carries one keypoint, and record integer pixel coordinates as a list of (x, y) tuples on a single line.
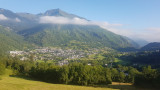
[(15, 83), (18, 83)]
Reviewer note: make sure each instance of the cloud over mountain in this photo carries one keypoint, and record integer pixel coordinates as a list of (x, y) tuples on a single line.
[(76, 20), (17, 20), (63, 20), (57, 16), (148, 34), (151, 34), (2, 17)]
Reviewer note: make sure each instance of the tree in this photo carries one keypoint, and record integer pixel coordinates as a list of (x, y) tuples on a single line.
[(64, 74), (121, 77), (132, 72), (114, 74), (108, 76)]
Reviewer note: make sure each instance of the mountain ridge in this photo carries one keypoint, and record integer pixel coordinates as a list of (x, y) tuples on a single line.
[(63, 35), (151, 46), (58, 12)]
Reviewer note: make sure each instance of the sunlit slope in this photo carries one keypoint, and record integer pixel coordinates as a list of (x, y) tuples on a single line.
[(75, 35), (14, 83), (10, 40)]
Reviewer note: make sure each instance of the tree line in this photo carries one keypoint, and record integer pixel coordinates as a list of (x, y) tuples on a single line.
[(81, 74)]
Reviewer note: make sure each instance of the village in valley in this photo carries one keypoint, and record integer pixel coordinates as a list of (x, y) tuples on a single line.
[(58, 54)]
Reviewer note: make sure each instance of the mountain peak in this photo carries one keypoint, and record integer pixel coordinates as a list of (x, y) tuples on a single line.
[(1, 9), (59, 12), (4, 10), (55, 12), (7, 13)]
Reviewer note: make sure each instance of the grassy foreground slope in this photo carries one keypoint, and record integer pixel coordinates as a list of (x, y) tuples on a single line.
[(14, 83), (18, 83)]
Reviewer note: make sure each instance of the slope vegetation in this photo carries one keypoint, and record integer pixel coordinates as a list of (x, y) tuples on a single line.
[(10, 40), (75, 35), (151, 47)]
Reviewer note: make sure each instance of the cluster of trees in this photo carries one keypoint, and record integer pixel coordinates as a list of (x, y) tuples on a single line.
[(143, 58), (74, 73), (148, 78), (81, 74)]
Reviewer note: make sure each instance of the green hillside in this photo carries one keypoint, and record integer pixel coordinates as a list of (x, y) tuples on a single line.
[(10, 40), (151, 47), (75, 36)]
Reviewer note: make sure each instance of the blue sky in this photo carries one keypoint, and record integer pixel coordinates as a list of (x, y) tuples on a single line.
[(138, 18)]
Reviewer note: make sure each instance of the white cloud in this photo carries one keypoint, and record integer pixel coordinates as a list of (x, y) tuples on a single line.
[(17, 20), (3, 17), (149, 34), (153, 29), (78, 21), (62, 20)]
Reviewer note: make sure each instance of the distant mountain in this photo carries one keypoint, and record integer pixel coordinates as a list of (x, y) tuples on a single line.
[(16, 21), (62, 35), (151, 46), (140, 42), (28, 16), (8, 13), (58, 12)]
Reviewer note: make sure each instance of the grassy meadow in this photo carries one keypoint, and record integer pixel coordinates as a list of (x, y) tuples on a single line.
[(15, 83), (18, 83)]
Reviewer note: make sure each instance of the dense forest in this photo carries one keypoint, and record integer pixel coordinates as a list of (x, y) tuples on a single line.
[(142, 58)]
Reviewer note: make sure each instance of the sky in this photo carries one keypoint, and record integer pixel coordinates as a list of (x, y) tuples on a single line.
[(137, 19)]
